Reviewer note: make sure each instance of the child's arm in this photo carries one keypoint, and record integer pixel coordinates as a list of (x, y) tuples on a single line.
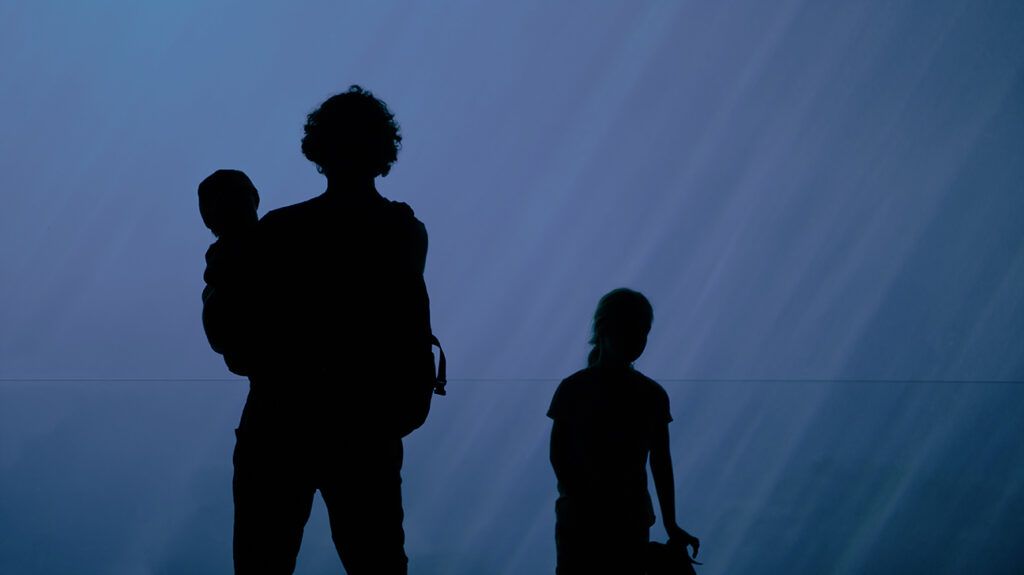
[(664, 484)]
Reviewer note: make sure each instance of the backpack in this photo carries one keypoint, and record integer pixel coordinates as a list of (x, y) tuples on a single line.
[(413, 398), (414, 406)]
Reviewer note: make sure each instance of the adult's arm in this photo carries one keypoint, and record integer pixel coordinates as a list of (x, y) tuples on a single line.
[(420, 246), (558, 454)]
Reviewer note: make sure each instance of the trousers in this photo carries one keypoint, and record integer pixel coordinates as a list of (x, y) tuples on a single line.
[(601, 545), (277, 471)]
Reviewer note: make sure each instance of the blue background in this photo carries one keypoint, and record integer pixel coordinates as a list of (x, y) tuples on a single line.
[(823, 200)]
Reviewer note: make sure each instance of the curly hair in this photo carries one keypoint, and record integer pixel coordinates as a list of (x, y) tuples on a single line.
[(352, 130)]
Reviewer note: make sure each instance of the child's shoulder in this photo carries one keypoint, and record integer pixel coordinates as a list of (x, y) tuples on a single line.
[(570, 392), (644, 380), (578, 380), (653, 393), (647, 383), (584, 374), (623, 375)]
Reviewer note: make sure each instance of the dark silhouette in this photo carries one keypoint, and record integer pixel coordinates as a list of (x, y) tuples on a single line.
[(670, 559), (228, 201), (338, 353), (607, 419)]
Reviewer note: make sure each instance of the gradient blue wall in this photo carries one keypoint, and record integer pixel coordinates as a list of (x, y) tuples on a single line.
[(805, 190)]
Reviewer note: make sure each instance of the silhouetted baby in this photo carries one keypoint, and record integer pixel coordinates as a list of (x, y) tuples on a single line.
[(228, 201), (608, 419)]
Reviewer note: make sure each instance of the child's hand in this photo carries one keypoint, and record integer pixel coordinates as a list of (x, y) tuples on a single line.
[(678, 535)]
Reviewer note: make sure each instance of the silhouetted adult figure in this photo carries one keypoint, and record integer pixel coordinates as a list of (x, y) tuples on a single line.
[(607, 419), (343, 324)]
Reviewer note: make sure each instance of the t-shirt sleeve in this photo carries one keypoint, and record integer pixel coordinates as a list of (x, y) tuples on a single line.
[(662, 411), (555, 410)]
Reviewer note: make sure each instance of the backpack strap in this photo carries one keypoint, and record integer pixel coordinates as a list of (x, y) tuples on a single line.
[(442, 368)]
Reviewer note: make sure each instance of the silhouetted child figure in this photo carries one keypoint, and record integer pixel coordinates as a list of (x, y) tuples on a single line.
[(607, 419), (228, 201)]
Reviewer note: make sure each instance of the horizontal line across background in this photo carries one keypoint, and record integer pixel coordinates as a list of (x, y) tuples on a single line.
[(773, 380)]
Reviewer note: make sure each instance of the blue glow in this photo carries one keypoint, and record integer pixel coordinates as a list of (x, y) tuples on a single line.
[(804, 190)]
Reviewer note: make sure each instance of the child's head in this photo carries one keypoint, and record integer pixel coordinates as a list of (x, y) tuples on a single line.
[(228, 201), (621, 324)]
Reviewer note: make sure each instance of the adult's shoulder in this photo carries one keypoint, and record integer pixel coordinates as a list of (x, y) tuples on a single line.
[(289, 214), (404, 213), (414, 233), (402, 209), (281, 224)]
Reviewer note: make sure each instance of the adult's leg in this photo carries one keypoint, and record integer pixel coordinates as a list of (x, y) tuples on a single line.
[(362, 488), (273, 493)]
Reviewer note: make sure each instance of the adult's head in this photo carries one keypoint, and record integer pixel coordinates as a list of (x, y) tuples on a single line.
[(352, 135), (622, 321)]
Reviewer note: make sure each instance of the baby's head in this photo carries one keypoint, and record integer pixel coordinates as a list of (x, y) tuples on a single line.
[(621, 323), (228, 201)]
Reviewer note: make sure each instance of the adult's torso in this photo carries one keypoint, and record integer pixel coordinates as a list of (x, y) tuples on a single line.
[(333, 281)]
